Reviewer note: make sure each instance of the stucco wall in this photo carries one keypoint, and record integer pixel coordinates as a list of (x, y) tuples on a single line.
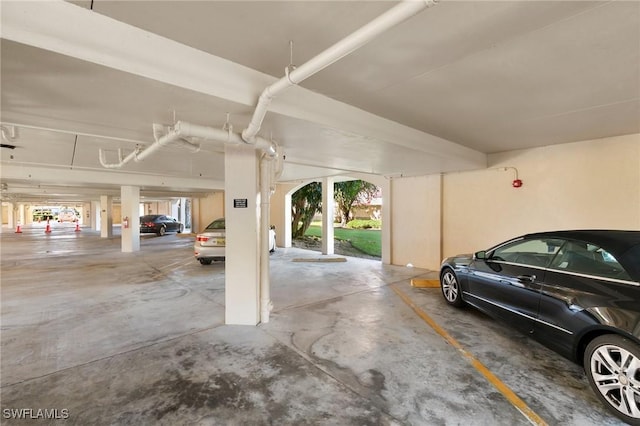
[(415, 221), (205, 210), (591, 184), (158, 207)]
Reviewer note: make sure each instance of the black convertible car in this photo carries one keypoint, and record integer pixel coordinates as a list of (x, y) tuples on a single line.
[(577, 292), (159, 224)]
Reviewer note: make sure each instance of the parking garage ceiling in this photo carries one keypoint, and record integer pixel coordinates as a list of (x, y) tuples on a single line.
[(434, 94)]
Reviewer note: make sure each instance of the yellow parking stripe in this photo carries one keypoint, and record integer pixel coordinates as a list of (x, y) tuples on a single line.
[(518, 403)]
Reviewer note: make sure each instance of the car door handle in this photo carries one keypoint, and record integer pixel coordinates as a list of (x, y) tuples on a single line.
[(526, 278)]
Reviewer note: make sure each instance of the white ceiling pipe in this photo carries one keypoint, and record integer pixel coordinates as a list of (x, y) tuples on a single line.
[(159, 130), (204, 132), (140, 155), (72, 132), (172, 136), (183, 130), (122, 161), (355, 40), (192, 147), (212, 133), (9, 133)]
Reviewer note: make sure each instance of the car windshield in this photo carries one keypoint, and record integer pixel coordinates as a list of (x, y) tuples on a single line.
[(216, 224), (148, 218)]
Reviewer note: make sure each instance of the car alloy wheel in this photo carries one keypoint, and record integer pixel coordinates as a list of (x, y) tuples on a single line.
[(162, 231), (612, 364), (450, 288)]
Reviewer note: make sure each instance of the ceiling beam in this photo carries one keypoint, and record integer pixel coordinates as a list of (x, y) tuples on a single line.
[(98, 178), (74, 31)]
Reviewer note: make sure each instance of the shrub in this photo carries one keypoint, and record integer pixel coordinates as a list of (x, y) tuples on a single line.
[(365, 224)]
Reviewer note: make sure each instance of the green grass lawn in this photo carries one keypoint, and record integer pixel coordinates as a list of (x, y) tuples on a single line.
[(365, 240)]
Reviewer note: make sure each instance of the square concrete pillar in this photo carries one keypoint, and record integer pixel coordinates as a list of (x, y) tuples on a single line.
[(386, 233), (130, 208), (106, 216), (11, 212), (328, 204), (94, 219), (20, 216), (242, 271), (281, 213)]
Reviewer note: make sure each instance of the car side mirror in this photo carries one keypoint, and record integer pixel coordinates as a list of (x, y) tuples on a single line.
[(480, 255)]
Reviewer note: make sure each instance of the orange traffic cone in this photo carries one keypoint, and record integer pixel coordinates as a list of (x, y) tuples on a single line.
[(47, 230), (18, 230), (77, 227)]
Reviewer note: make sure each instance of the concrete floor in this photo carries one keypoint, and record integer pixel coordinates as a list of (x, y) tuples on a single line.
[(115, 338)]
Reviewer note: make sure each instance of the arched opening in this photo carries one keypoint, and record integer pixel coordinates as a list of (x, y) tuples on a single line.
[(356, 219)]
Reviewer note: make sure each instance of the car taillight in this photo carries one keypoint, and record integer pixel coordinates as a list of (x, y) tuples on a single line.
[(202, 238), (149, 224)]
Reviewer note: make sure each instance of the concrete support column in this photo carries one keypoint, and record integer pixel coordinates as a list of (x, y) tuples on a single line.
[(287, 226), (86, 214), (174, 209), (94, 219), (281, 213), (196, 219), (106, 216), (20, 217), (11, 216), (130, 212), (385, 237), (182, 211), (328, 204), (242, 271)]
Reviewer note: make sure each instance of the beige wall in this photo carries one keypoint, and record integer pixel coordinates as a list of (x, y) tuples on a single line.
[(158, 207), (205, 210), (116, 213), (415, 221), (591, 184)]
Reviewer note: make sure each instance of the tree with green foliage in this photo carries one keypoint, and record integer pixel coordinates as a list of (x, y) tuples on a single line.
[(305, 203), (348, 192)]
